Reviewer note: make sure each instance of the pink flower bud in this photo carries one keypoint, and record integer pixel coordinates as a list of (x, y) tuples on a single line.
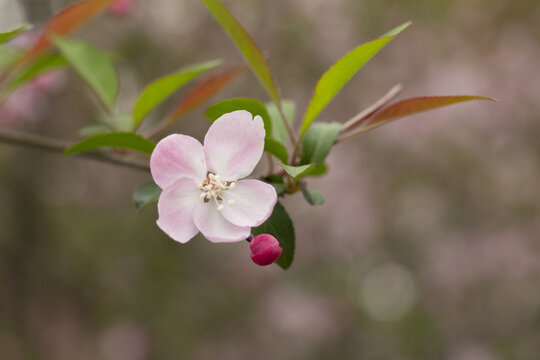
[(265, 249), (121, 7)]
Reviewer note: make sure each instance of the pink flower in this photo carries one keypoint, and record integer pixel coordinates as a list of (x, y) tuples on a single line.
[(121, 7), (265, 249), (202, 190)]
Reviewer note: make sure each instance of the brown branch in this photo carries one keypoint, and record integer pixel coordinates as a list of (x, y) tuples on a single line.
[(57, 146)]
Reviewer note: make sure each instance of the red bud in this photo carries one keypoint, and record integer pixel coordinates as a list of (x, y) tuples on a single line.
[(265, 249)]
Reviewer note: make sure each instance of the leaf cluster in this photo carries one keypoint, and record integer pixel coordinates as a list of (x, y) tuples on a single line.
[(299, 155)]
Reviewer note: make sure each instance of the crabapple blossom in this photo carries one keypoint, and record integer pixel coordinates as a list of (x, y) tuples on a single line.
[(203, 190), (265, 249)]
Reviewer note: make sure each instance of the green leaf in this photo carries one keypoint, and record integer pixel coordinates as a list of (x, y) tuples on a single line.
[(280, 188), (297, 171), (93, 66), (122, 140), (339, 74), (312, 196), (146, 194), (36, 68), (159, 90), (124, 123), (246, 45), (255, 107), (277, 182), (279, 131), (8, 57), (280, 226), (6, 36), (64, 23), (318, 142), (277, 149), (319, 170), (91, 130), (413, 106)]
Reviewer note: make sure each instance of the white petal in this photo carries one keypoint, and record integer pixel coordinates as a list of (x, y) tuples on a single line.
[(176, 206), (234, 145), (215, 227), (175, 157), (254, 201)]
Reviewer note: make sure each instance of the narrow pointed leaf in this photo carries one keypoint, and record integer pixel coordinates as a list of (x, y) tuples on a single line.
[(124, 140), (8, 35), (255, 107), (297, 171), (93, 66), (279, 130), (65, 22), (413, 106), (146, 194), (92, 130), (204, 90), (339, 74), (280, 226), (277, 149), (7, 57), (246, 45), (318, 142), (159, 90), (313, 197), (319, 170), (40, 66)]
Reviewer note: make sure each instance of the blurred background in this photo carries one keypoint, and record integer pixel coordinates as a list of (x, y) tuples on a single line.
[(427, 246)]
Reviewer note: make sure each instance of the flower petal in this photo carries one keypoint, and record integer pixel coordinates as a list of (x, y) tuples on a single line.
[(234, 144), (254, 201), (176, 206), (175, 157), (211, 223)]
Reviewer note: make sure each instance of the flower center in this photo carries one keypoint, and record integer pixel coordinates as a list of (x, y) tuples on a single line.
[(212, 189)]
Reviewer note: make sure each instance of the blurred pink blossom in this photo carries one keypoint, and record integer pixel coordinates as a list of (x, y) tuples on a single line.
[(122, 8), (30, 102)]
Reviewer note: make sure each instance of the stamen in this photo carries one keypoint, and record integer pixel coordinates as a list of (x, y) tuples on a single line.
[(212, 189)]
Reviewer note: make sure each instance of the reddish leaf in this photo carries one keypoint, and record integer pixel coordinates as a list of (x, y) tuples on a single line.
[(414, 105), (204, 90), (65, 22)]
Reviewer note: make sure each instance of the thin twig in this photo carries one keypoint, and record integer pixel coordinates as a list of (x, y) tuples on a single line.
[(287, 124), (360, 117), (58, 146)]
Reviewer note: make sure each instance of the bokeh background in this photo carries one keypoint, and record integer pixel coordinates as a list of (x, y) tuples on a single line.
[(427, 246)]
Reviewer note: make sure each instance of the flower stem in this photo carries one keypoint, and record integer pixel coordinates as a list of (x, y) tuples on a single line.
[(287, 124), (44, 143)]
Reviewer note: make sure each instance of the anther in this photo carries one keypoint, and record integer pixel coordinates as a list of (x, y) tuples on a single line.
[(231, 202)]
